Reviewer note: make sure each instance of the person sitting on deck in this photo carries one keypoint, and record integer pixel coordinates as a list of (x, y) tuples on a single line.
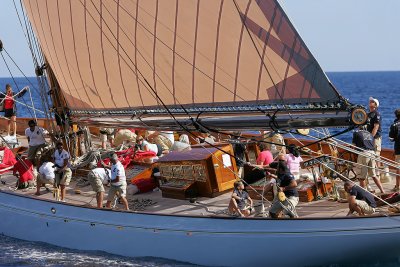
[(144, 145), (288, 197), (360, 200), (365, 141), (23, 170), (45, 176), (118, 182), (238, 203), (97, 178), (36, 139), (63, 172)]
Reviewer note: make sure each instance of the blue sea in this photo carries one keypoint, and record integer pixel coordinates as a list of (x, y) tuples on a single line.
[(356, 86)]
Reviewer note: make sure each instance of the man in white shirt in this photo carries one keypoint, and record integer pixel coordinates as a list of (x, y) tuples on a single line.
[(97, 177), (63, 172), (36, 139), (118, 182), (45, 176)]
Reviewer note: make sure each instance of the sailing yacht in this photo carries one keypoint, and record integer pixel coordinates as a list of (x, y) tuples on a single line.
[(186, 65)]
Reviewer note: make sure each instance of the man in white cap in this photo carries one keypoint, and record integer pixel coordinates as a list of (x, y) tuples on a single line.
[(374, 126)]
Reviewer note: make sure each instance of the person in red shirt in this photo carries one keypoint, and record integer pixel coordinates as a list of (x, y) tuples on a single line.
[(10, 108), (23, 170), (265, 157)]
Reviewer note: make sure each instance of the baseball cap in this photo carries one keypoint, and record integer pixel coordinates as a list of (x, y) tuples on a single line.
[(375, 100)]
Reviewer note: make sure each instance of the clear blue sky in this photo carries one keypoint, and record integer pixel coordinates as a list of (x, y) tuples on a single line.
[(344, 35)]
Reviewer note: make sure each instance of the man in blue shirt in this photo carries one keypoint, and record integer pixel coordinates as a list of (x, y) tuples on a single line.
[(240, 203), (287, 184), (360, 200), (363, 139), (394, 136)]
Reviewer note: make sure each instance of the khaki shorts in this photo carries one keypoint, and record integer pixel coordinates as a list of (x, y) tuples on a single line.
[(367, 161), (66, 178), (367, 209), (95, 182), (121, 189), (378, 145), (32, 150), (290, 203), (44, 179), (397, 158)]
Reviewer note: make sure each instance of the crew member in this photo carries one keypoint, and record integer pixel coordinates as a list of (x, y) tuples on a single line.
[(23, 170), (394, 135), (45, 176), (364, 140), (238, 203), (63, 172), (287, 184), (118, 182), (10, 107), (293, 160), (374, 126), (239, 150), (359, 199), (36, 140), (97, 178)]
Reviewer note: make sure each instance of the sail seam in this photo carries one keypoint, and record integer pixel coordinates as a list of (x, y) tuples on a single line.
[(154, 52), (118, 56), (194, 50), (88, 51), (239, 49), (264, 52), (102, 50), (136, 51), (76, 56), (174, 50)]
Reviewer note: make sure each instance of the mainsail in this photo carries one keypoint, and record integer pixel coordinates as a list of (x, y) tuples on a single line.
[(144, 61)]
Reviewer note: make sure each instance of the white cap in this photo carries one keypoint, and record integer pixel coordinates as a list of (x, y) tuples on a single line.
[(375, 100)]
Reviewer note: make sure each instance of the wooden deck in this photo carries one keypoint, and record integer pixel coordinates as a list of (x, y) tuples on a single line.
[(153, 202)]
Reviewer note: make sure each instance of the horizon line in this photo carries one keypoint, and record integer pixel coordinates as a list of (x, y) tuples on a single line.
[(328, 71)]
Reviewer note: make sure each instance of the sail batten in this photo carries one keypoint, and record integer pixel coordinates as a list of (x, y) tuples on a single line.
[(130, 55)]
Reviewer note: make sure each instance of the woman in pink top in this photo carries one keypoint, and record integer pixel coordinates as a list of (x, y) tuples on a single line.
[(293, 160), (265, 157)]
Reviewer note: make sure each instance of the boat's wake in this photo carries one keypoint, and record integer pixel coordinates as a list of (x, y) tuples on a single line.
[(15, 252)]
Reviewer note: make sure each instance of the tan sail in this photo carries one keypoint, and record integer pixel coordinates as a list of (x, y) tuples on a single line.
[(130, 55)]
